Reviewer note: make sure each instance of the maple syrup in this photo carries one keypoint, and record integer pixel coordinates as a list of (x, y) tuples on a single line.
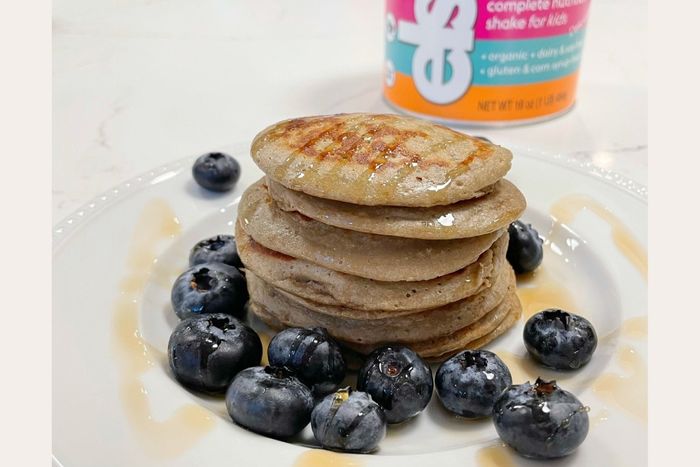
[(160, 438)]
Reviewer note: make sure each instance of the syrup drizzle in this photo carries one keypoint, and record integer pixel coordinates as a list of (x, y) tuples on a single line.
[(482, 150), (346, 153), (323, 458), (170, 437), (538, 290), (265, 340), (306, 147), (495, 456), (343, 150), (635, 328), (629, 392), (363, 183), (566, 209), (632, 328)]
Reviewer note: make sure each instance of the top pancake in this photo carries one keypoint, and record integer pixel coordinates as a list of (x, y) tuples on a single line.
[(379, 159)]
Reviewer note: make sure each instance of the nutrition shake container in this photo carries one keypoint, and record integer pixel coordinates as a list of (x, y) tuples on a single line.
[(483, 62)]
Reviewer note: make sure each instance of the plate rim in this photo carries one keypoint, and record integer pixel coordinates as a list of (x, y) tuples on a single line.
[(62, 230)]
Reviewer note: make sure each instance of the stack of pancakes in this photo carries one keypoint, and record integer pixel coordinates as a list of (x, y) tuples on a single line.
[(382, 229)]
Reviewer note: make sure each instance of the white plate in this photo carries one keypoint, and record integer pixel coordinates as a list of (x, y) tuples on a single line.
[(114, 260)]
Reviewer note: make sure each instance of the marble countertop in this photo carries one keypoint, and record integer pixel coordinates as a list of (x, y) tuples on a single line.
[(139, 83)]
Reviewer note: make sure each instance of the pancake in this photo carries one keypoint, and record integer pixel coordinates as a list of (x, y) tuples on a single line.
[(508, 322), (325, 286), (370, 159), (419, 326), (491, 326), (377, 257), (495, 210), (474, 336)]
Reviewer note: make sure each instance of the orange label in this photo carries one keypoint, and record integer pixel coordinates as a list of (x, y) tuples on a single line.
[(489, 103)]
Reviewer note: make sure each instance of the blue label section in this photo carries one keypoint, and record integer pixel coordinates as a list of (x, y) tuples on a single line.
[(507, 62)]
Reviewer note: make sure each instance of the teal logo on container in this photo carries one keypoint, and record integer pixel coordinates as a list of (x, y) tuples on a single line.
[(444, 37)]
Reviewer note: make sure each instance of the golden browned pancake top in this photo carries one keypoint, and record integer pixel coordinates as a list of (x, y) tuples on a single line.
[(378, 159)]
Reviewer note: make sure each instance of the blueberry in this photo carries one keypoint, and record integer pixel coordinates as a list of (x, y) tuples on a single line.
[(540, 421), (348, 421), (206, 352), (312, 354), (216, 171), (524, 247), (209, 288), (269, 401), (469, 383), (216, 249), (559, 339), (398, 380)]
